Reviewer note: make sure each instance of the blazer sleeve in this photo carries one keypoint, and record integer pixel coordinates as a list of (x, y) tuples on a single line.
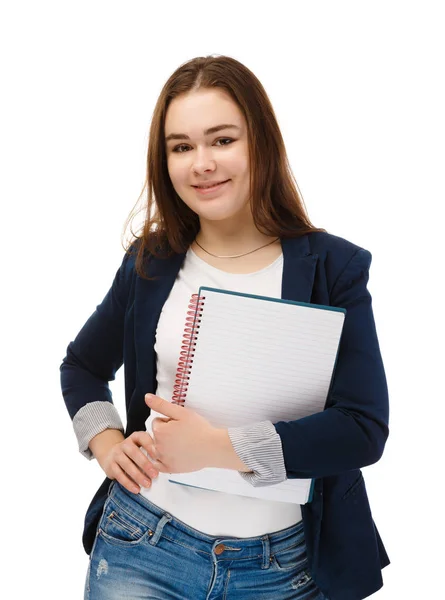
[(92, 360), (352, 430)]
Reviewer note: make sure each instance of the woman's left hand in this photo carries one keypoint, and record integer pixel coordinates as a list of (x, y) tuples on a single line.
[(184, 441)]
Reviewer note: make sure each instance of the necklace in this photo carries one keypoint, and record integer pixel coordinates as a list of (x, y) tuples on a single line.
[(236, 255)]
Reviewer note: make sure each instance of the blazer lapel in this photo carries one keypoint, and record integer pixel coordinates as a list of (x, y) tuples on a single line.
[(299, 266), (150, 296)]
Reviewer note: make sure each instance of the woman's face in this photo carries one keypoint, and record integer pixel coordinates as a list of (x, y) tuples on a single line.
[(195, 157)]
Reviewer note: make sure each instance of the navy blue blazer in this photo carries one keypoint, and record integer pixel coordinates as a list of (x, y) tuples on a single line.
[(345, 552)]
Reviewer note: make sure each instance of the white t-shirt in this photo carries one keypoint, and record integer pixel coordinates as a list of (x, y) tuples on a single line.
[(211, 512)]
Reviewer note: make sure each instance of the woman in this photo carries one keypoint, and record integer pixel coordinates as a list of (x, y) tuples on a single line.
[(213, 125)]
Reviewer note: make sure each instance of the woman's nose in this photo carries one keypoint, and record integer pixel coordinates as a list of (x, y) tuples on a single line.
[(203, 161)]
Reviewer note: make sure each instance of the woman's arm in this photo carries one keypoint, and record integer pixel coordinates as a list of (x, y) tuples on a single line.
[(352, 431), (92, 360)]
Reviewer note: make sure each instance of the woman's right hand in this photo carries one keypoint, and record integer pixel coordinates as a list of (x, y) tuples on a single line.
[(124, 460)]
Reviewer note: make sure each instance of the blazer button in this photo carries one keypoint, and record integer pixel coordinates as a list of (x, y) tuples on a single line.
[(220, 549)]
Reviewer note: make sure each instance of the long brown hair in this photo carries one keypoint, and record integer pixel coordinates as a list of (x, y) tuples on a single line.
[(277, 205)]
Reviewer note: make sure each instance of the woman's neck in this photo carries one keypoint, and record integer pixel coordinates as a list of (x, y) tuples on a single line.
[(250, 263), (228, 243)]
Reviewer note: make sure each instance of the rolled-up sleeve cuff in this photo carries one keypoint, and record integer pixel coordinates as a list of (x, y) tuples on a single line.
[(259, 447), (91, 419)]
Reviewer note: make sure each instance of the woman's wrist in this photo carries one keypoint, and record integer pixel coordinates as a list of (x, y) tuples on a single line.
[(224, 455), (102, 443)]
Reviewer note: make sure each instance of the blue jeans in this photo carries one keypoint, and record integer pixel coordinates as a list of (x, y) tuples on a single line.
[(140, 551)]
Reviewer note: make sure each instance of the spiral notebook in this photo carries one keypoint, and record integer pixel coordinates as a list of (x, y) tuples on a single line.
[(248, 358)]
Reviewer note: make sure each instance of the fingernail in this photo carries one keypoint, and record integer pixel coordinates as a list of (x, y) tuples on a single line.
[(146, 482)]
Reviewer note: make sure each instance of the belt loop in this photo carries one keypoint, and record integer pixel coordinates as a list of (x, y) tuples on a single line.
[(166, 518), (266, 552)]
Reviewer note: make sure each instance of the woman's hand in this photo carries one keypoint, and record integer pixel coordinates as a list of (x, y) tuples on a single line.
[(184, 441), (125, 462)]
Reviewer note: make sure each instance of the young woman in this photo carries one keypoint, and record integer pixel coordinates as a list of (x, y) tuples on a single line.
[(223, 210)]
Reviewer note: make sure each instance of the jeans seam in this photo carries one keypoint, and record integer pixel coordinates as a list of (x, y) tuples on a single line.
[(129, 512), (87, 582), (122, 523), (109, 539), (226, 585), (253, 557), (186, 545)]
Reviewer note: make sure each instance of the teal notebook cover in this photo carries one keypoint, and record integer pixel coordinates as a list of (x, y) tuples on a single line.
[(271, 299)]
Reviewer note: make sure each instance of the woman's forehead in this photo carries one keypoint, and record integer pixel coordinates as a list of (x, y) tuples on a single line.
[(196, 112)]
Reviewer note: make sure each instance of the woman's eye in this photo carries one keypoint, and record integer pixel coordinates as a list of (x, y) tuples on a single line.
[(177, 148), (225, 140)]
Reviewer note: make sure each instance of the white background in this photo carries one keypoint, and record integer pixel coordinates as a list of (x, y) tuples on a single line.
[(357, 89)]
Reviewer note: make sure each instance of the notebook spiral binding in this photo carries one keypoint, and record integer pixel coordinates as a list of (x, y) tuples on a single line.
[(192, 321)]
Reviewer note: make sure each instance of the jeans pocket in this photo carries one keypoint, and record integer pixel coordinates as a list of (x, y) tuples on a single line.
[(293, 557), (117, 526)]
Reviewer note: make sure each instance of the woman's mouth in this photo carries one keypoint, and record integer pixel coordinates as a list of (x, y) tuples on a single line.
[(212, 189)]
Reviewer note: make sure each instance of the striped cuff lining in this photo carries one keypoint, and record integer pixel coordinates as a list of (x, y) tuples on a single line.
[(91, 419), (259, 447)]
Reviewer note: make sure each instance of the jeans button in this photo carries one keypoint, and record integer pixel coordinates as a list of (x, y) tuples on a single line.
[(220, 549)]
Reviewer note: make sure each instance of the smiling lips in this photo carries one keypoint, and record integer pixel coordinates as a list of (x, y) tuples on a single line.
[(210, 187), (210, 184)]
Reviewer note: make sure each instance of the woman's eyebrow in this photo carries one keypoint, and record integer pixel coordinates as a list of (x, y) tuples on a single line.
[(183, 136)]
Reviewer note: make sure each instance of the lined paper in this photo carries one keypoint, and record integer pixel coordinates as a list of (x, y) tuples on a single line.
[(259, 359)]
